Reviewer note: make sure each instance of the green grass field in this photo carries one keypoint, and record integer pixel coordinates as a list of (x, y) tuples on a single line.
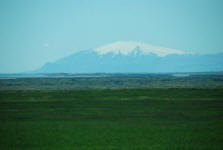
[(133, 119)]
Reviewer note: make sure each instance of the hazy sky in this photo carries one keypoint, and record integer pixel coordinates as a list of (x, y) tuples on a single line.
[(33, 32)]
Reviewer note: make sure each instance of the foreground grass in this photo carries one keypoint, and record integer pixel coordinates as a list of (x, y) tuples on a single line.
[(153, 119)]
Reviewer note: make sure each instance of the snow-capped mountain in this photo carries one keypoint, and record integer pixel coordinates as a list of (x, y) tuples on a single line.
[(134, 57)]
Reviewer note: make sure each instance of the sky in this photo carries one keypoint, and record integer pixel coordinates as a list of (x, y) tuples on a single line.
[(34, 32)]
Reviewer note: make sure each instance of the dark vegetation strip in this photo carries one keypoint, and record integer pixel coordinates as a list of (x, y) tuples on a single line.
[(116, 82)]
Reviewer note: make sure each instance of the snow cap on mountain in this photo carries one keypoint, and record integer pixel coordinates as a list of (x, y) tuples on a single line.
[(136, 48)]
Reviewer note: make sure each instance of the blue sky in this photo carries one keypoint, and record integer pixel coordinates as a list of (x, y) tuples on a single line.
[(33, 32)]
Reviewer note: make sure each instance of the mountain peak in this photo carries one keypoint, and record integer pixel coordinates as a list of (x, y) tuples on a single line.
[(136, 48)]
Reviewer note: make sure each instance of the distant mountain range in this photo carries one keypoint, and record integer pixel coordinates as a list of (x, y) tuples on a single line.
[(134, 57)]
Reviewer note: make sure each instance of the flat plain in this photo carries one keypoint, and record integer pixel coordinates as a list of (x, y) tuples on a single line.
[(126, 119)]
